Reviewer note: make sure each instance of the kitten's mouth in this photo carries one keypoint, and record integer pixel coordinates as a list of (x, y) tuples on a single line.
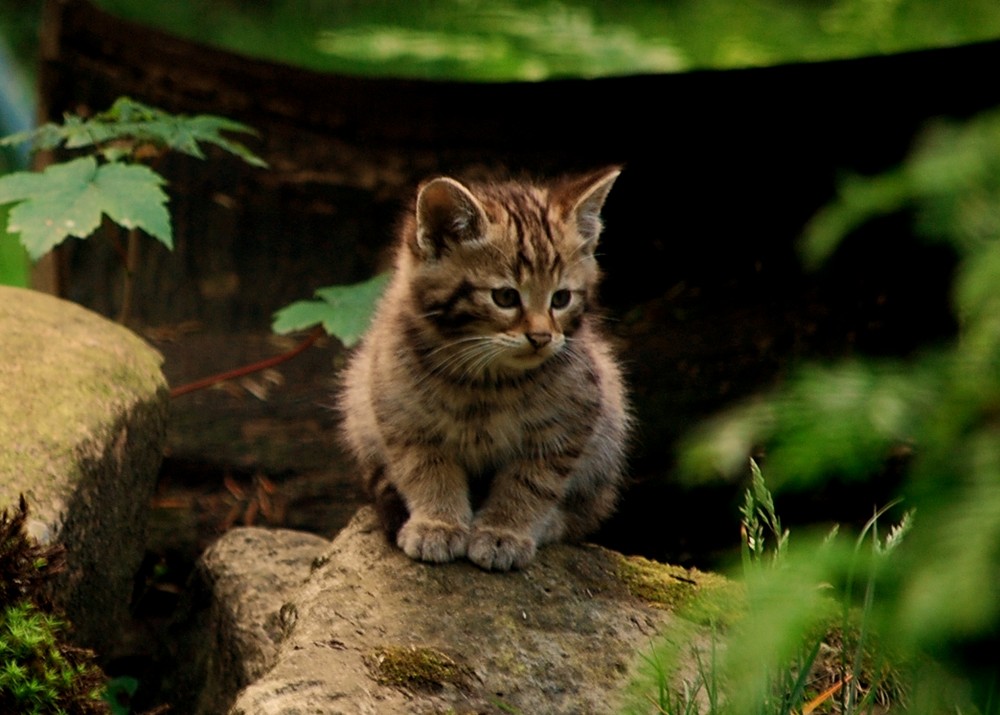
[(530, 357)]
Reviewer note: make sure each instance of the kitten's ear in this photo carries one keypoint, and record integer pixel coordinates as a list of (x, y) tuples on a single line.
[(447, 212), (584, 199)]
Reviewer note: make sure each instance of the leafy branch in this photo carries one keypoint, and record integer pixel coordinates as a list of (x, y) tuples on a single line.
[(934, 413), (112, 178), (132, 130)]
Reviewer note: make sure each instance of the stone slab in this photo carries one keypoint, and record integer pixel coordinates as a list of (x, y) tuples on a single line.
[(354, 626)]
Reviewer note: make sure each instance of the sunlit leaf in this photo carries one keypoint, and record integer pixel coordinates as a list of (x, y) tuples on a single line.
[(67, 200), (131, 197)]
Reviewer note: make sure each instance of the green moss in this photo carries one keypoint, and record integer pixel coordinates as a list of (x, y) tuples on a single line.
[(695, 595), (40, 672), (415, 668)]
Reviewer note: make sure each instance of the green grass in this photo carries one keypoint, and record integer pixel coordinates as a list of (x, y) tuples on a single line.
[(803, 644), (508, 40)]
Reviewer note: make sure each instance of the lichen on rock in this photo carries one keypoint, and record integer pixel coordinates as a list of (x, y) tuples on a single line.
[(419, 668)]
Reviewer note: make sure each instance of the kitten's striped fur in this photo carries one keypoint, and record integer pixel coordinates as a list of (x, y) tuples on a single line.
[(486, 410)]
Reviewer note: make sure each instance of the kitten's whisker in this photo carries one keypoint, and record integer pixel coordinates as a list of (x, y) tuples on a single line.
[(575, 258), (469, 359), (459, 359), (457, 341), (446, 362), (486, 358)]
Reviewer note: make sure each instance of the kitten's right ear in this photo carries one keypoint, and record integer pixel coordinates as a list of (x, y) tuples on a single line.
[(584, 198), (447, 213)]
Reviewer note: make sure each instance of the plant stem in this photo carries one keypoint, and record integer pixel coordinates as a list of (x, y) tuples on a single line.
[(316, 333), (131, 267)]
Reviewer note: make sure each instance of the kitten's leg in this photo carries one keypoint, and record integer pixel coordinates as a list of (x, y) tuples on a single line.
[(436, 493), (521, 508), (584, 508)]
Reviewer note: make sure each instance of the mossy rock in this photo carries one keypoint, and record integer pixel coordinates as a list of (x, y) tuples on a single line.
[(374, 631), (82, 423), (702, 597)]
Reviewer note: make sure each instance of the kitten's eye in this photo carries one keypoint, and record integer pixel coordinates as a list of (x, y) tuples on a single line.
[(506, 297), (561, 298)]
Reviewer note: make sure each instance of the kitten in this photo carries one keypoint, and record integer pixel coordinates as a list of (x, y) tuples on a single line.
[(486, 410)]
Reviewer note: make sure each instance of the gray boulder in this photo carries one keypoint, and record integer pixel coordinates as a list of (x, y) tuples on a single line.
[(83, 406), (246, 577), (305, 626)]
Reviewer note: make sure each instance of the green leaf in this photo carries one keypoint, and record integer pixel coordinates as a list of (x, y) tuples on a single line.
[(68, 200), (13, 259), (118, 694), (344, 311), (129, 120), (132, 198), (184, 133), (179, 132)]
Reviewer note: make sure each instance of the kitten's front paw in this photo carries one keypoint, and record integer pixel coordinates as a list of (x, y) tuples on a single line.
[(433, 540), (496, 549)]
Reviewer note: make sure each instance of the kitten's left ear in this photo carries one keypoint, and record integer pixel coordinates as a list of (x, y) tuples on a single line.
[(585, 198)]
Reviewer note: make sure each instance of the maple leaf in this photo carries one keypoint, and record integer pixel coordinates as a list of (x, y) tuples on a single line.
[(69, 199), (343, 310), (135, 122)]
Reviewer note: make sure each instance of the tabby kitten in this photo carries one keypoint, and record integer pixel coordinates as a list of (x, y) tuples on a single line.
[(484, 406)]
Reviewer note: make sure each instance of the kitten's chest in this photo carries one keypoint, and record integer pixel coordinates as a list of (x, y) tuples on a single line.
[(486, 429)]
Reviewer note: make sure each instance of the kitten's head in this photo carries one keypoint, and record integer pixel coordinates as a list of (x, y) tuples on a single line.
[(502, 274)]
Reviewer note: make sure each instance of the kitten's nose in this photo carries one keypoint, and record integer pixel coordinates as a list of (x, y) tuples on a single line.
[(538, 340)]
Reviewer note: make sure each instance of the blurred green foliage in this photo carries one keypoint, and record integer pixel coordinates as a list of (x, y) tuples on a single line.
[(13, 259), (804, 640), (18, 38), (539, 39), (937, 601)]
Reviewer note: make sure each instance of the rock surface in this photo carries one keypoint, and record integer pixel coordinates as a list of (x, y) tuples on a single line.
[(248, 575), (356, 627), (82, 420)]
